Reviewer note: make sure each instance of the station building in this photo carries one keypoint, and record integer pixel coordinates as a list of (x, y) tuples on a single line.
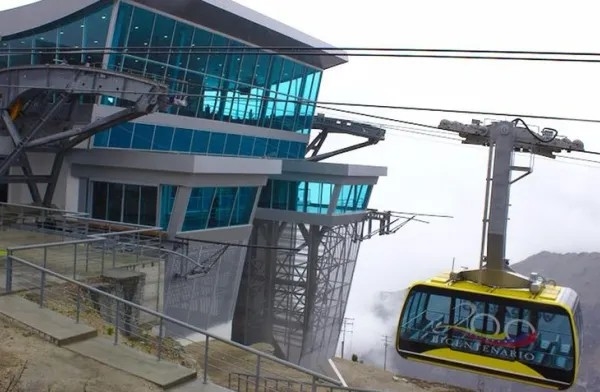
[(194, 117)]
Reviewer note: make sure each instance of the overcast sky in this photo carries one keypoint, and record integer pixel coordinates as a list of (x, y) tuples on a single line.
[(555, 209)]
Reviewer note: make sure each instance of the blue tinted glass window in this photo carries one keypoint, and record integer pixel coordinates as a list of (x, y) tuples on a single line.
[(272, 148), (200, 142), (217, 143), (260, 147), (134, 65), (115, 202), (281, 194), (140, 31), (122, 25), (142, 136), (266, 195), (95, 32), (195, 99), (222, 207), (167, 200), (182, 38), (263, 64), (216, 59), (155, 70), (121, 136), (284, 148), (163, 136), (101, 139), (182, 140), (71, 36), (234, 62), (3, 55), (232, 145), (247, 145), (199, 207), (199, 58), (244, 204), (162, 36), (47, 42), (20, 52)]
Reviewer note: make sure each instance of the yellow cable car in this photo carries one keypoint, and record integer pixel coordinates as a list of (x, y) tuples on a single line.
[(491, 320), (507, 333)]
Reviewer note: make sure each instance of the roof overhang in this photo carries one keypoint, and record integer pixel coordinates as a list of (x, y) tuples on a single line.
[(224, 16), (333, 173), (152, 168)]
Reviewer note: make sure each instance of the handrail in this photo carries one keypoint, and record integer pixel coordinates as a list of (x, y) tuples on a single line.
[(100, 238), (180, 323), (82, 214), (53, 244), (333, 388)]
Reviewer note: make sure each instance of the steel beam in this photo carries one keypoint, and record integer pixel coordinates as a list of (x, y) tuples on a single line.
[(24, 179), (51, 188), (20, 147)]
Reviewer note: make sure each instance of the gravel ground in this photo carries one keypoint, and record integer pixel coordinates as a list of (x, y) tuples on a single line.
[(359, 375)]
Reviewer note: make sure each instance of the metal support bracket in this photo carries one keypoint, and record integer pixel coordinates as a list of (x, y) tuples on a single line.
[(329, 125)]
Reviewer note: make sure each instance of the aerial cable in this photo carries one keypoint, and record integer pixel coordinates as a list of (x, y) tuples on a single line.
[(456, 111), (275, 51)]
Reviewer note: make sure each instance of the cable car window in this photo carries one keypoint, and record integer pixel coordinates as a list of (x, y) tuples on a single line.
[(555, 341), (503, 329), (425, 312)]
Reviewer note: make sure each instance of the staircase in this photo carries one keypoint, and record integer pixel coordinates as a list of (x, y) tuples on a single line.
[(84, 340)]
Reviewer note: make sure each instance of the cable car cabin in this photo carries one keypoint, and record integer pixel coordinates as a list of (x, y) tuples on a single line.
[(506, 333)]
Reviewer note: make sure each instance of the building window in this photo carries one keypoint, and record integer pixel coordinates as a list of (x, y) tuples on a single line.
[(51, 43), (353, 198), (313, 197), (147, 137), (252, 88), (211, 207), (124, 203)]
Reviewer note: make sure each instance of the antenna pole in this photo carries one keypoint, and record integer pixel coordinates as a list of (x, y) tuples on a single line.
[(348, 322), (385, 346)]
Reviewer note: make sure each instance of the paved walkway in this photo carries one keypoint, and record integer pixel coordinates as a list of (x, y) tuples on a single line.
[(83, 340)]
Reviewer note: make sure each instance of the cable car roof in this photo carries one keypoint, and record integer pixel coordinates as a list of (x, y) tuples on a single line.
[(550, 293)]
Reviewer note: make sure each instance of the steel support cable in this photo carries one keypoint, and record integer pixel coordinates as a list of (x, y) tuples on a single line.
[(341, 51)]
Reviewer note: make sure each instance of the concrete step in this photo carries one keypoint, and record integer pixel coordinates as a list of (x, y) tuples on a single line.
[(162, 373), (60, 329)]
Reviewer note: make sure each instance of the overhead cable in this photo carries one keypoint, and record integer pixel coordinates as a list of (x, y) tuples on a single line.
[(577, 57)]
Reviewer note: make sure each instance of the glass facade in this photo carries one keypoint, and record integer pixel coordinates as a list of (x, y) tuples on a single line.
[(124, 203), (159, 138), (210, 207), (87, 29), (353, 198), (313, 197), (252, 88)]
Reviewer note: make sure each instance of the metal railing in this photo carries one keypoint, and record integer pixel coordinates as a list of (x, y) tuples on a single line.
[(214, 356), (243, 382)]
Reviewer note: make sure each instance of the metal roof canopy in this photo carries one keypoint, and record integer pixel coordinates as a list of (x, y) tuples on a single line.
[(223, 16)]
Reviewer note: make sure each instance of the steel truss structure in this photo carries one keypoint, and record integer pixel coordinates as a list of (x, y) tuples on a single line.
[(203, 293), (48, 108), (295, 289)]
